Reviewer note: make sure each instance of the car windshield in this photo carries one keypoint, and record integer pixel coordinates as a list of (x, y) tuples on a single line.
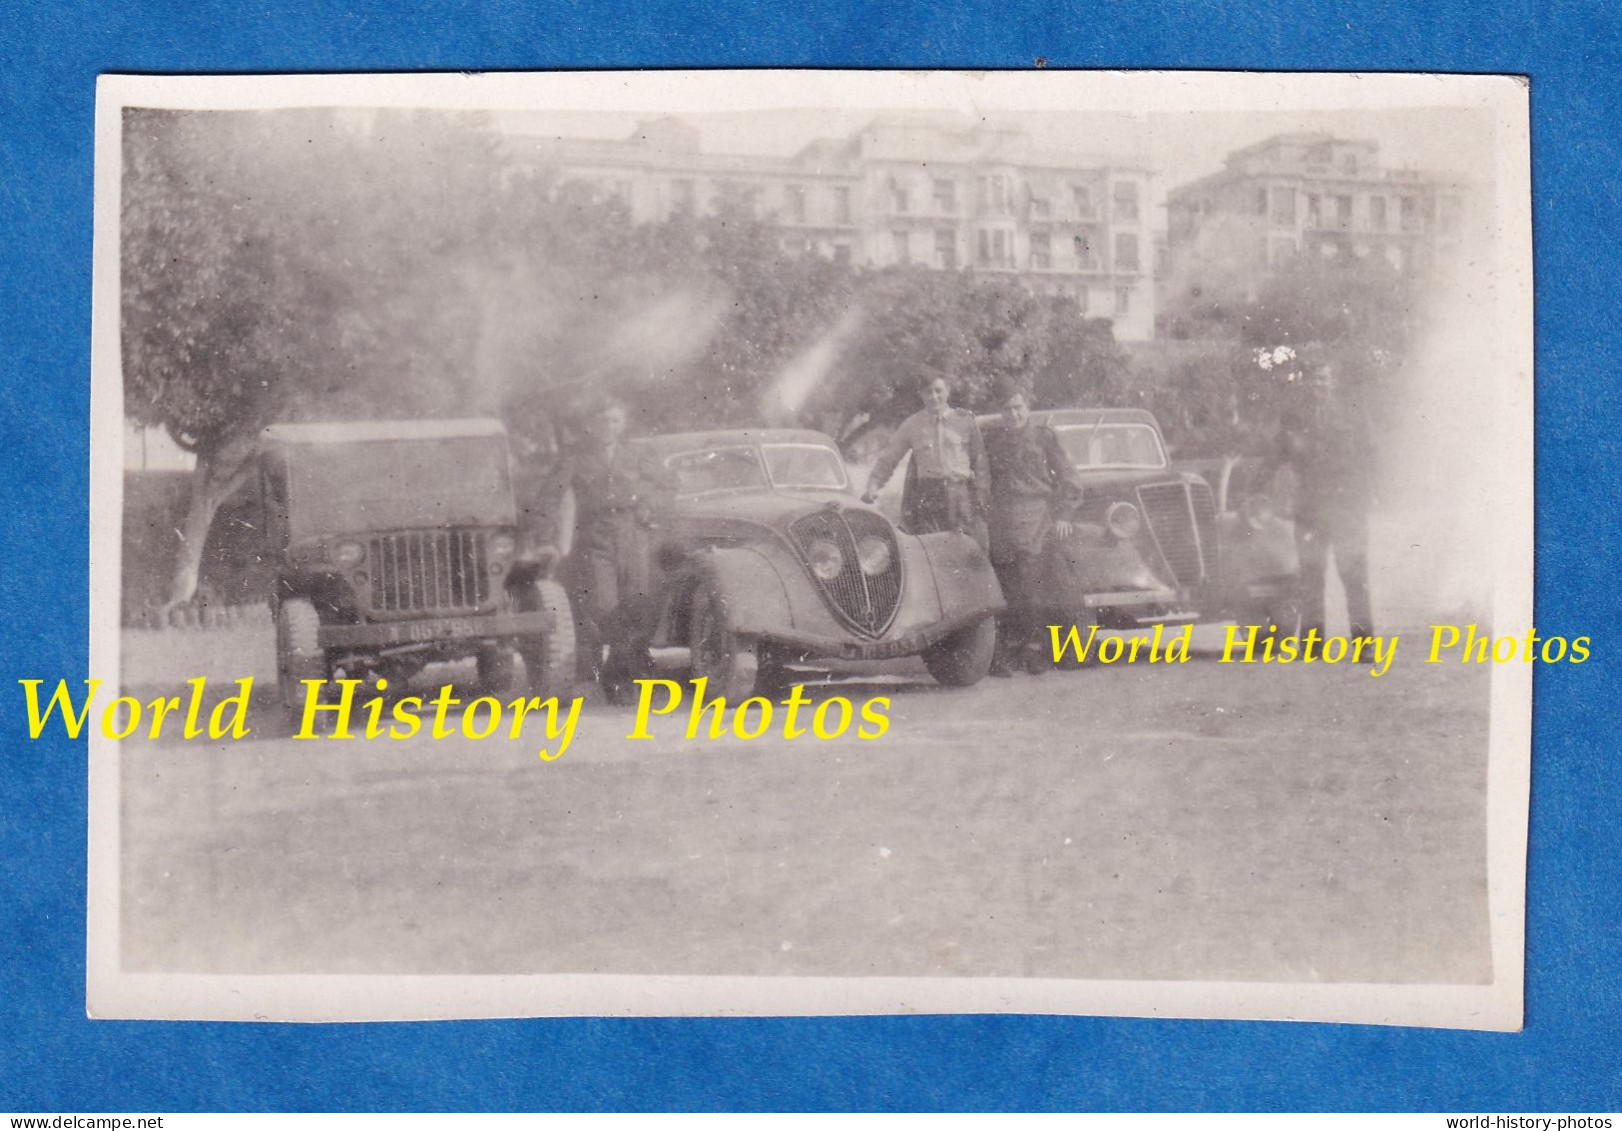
[(716, 469), (750, 468), (805, 465), (390, 484), (1112, 445)]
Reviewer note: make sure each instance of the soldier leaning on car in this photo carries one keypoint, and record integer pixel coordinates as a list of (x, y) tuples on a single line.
[(1034, 490), (948, 487), (609, 499), (1325, 438)]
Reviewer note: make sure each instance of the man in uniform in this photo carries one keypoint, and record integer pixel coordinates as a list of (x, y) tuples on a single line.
[(1034, 490), (948, 487), (1329, 445), (608, 503)]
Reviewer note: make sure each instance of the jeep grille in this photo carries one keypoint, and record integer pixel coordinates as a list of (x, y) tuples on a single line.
[(428, 570), (867, 603), (1182, 520)]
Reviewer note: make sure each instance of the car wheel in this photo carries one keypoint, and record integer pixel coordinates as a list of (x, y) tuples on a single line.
[(730, 665), (965, 656), (497, 668), (548, 656), (298, 654), (1085, 619)]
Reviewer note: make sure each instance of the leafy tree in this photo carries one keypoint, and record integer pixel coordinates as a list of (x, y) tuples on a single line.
[(259, 287)]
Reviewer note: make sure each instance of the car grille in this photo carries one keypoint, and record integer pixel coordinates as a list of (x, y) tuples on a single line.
[(867, 603), (1182, 519), (421, 571)]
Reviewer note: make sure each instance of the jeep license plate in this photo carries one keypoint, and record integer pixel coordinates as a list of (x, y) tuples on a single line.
[(447, 629)]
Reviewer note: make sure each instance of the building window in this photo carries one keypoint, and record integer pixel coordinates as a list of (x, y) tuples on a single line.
[(1041, 208), (1123, 299), (903, 246), (1125, 196), (994, 191), (1086, 252), (1410, 214), (945, 196), (898, 196), (1081, 199), (1393, 256), (1343, 212), (1314, 210), (1041, 251), (1284, 207), (683, 196), (1348, 163), (1126, 251), (1081, 299), (841, 253), (992, 245), (1377, 219), (1261, 202), (946, 249), (841, 204), (796, 203)]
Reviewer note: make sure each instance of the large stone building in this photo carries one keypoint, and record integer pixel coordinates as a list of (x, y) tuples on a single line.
[(1312, 194), (906, 192)]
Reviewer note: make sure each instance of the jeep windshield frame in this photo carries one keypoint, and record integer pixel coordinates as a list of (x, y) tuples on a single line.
[(375, 485)]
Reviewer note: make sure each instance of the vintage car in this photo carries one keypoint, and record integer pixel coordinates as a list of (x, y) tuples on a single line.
[(1155, 544), (395, 544), (766, 557)]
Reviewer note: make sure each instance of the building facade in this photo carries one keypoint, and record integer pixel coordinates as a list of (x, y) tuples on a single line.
[(903, 193), (1308, 194)]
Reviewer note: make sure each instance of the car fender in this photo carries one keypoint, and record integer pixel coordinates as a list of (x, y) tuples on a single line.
[(963, 578), (753, 594)]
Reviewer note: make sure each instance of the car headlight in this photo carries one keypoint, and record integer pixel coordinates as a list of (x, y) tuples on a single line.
[(1257, 511), (1124, 520), (501, 546), (825, 559), (873, 555), (349, 553)]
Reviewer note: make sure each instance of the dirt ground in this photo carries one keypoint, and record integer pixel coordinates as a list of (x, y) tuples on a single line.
[(1196, 821)]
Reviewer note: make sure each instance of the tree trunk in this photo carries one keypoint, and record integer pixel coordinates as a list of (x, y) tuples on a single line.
[(216, 477)]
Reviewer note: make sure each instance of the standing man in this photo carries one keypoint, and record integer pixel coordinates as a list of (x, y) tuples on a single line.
[(1329, 445), (1034, 491), (608, 505), (948, 487)]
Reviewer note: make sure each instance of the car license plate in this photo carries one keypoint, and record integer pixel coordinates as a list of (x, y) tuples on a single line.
[(883, 650)]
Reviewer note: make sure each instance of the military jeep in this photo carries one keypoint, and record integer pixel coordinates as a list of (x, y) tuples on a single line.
[(395, 544)]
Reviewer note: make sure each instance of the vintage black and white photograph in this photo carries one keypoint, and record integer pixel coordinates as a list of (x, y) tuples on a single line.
[(811, 542)]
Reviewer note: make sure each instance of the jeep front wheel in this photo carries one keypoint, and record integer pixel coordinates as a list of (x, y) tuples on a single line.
[(548, 656), (298, 653), (964, 657)]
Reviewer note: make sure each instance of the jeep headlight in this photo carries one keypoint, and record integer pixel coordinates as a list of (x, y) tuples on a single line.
[(349, 554), (502, 546), (1124, 520), (873, 555), (825, 559)]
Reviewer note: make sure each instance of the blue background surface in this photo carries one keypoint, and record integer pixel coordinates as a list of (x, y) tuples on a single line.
[(52, 1058)]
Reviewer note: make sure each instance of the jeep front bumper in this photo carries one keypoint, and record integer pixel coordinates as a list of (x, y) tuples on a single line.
[(391, 634)]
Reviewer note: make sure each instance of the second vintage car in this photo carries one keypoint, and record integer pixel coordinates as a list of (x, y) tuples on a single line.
[(767, 558), (1156, 544)]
